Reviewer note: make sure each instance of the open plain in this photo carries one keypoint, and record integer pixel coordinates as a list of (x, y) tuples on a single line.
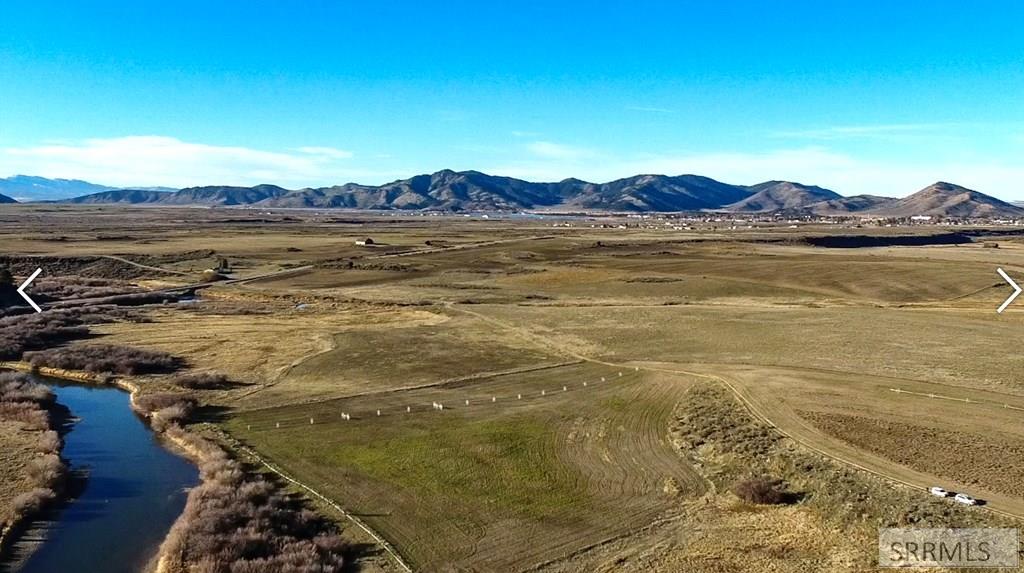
[(582, 393)]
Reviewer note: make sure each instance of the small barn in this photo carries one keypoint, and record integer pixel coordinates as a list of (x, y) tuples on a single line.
[(365, 242)]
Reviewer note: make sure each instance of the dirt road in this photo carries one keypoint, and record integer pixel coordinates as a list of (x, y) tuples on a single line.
[(776, 414)]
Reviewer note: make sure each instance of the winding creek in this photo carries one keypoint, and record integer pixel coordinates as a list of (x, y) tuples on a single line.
[(133, 491)]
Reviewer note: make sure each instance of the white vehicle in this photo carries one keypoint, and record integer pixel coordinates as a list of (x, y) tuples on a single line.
[(938, 492), (965, 499)]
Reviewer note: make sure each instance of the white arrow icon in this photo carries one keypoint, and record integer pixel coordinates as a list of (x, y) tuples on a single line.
[(1009, 299), (21, 290)]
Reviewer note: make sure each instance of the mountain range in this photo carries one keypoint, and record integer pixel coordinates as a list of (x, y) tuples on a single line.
[(474, 191), (31, 188)]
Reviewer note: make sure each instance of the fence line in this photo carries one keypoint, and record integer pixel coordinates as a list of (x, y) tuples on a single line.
[(954, 399), (415, 409), (345, 513)]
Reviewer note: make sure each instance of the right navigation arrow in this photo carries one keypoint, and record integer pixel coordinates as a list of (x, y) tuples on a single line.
[(1016, 291)]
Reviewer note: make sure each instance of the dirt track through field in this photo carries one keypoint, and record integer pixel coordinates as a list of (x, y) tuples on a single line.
[(464, 247), (758, 400)]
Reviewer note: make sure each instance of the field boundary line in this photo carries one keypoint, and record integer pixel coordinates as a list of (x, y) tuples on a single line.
[(952, 399), (462, 247), (388, 548), (368, 414), (467, 378), (271, 276)]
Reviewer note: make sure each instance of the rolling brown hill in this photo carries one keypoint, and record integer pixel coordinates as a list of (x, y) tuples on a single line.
[(851, 205), (776, 196), (123, 196), (654, 193), (948, 200)]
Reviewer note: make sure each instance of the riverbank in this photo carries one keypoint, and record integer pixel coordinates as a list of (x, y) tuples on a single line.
[(35, 474), (176, 442), (73, 376), (207, 532)]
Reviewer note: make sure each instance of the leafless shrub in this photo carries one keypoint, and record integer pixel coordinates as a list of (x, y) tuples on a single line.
[(240, 523), (23, 332), (25, 400), (165, 417), (29, 414), (14, 341), (32, 501), (762, 490), (149, 403), (69, 287), (98, 358), (165, 410), (204, 448), (136, 299), (19, 387), (46, 471), (201, 381), (49, 442)]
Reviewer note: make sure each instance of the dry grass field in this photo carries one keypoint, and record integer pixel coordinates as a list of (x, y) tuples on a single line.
[(802, 345)]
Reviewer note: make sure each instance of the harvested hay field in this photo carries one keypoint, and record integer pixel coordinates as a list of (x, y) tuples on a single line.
[(924, 344), (975, 459)]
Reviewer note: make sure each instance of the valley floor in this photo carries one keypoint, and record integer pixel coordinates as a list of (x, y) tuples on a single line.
[(603, 389)]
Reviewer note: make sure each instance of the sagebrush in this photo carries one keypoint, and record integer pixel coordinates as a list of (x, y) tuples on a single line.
[(238, 522)]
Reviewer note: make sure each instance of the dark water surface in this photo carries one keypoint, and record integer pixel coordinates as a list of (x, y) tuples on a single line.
[(133, 492)]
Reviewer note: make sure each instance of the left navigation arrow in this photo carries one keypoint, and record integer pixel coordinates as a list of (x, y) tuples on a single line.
[(21, 290)]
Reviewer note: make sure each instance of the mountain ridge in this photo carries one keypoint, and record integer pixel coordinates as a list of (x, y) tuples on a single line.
[(449, 190), (949, 200), (782, 196), (35, 188)]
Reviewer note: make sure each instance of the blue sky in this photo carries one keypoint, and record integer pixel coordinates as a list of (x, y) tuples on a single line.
[(861, 97)]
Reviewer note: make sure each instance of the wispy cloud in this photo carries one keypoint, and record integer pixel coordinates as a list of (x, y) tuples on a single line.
[(883, 131), (329, 152), (559, 151), (161, 160), (649, 109), (525, 134)]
